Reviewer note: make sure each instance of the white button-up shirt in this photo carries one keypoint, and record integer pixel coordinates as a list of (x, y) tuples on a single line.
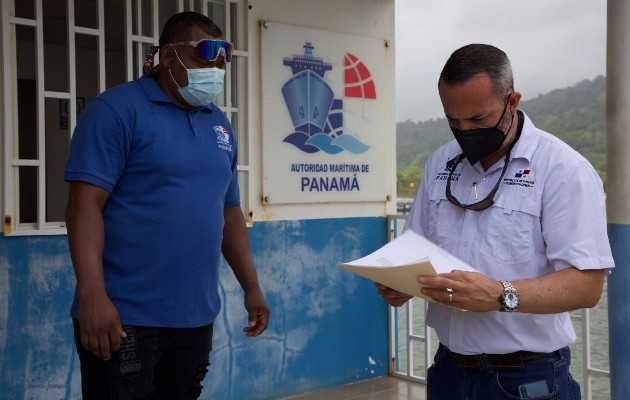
[(548, 214)]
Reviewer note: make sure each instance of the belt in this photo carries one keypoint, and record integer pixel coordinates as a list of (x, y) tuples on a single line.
[(485, 362)]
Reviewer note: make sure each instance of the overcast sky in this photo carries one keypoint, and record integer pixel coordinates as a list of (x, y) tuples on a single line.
[(551, 43)]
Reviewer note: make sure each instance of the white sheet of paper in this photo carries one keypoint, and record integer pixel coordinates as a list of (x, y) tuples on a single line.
[(398, 263)]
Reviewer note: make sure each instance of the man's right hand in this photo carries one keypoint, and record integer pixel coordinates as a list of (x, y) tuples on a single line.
[(99, 323), (393, 297), (100, 326)]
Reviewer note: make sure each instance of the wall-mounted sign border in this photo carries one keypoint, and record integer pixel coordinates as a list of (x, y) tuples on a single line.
[(325, 116)]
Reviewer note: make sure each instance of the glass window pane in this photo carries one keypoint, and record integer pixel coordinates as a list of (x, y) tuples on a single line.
[(26, 52), (419, 362), (115, 62), (55, 24), (168, 8), (86, 14), (236, 9), (418, 316), (86, 69), (216, 12), (401, 339), (28, 195), (27, 123), (147, 18), (142, 24), (57, 139), (25, 9)]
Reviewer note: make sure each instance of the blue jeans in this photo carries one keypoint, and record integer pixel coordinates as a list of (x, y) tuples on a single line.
[(153, 363), (446, 381)]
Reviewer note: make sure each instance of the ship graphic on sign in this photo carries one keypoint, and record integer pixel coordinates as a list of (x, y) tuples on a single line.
[(316, 114)]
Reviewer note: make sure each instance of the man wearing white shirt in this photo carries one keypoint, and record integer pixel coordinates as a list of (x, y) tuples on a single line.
[(526, 211)]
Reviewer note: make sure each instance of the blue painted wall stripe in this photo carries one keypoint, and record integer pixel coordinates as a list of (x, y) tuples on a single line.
[(328, 327)]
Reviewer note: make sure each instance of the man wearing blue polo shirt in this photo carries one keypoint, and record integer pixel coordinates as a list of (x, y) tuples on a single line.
[(528, 212), (153, 204)]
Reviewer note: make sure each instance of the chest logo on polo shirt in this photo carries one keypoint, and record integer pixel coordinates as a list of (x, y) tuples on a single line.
[(223, 138), (522, 177), (522, 173)]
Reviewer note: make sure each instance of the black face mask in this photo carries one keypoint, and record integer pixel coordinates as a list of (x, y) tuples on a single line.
[(479, 143)]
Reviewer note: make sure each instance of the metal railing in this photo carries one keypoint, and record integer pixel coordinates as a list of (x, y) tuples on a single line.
[(413, 343)]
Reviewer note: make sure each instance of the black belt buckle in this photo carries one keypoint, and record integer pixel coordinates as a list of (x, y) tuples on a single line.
[(505, 361), (474, 362)]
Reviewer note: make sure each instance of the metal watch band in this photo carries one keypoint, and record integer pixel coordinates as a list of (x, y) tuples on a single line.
[(508, 297)]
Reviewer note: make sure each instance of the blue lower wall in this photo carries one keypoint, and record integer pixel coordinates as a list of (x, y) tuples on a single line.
[(327, 327)]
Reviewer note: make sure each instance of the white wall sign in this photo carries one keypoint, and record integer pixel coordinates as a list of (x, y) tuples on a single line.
[(325, 116)]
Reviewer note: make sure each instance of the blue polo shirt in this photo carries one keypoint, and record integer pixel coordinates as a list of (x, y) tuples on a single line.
[(170, 173)]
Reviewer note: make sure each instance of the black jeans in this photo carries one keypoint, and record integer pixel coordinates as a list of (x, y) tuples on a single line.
[(153, 363)]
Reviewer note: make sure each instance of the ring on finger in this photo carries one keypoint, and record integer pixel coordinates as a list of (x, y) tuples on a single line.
[(450, 295)]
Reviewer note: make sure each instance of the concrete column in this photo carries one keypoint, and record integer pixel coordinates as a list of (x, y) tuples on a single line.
[(618, 192)]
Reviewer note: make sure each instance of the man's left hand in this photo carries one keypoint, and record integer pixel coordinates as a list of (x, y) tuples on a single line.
[(470, 291)]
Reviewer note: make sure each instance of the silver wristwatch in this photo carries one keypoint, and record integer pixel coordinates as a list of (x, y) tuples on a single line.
[(509, 298)]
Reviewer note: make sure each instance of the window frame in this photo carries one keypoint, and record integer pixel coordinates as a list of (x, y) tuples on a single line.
[(134, 57)]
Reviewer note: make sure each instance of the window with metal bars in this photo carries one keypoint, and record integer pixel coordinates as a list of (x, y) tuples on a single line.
[(57, 55)]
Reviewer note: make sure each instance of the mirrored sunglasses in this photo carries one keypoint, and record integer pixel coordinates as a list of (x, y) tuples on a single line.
[(210, 49)]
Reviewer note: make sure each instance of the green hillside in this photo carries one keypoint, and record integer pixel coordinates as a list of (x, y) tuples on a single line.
[(575, 114)]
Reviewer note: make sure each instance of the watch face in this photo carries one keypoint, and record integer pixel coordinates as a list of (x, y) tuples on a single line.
[(511, 300)]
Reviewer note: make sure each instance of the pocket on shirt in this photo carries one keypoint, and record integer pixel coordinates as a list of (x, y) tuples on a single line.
[(442, 216), (508, 228)]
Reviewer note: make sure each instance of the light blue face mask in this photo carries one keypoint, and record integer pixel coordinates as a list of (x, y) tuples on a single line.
[(204, 84)]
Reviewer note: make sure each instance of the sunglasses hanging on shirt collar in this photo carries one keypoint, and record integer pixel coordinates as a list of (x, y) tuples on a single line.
[(486, 202), (483, 203)]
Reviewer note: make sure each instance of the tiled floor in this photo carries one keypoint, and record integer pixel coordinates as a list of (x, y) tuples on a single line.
[(384, 388)]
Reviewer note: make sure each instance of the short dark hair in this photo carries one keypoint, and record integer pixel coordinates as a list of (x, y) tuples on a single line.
[(178, 26), (473, 59)]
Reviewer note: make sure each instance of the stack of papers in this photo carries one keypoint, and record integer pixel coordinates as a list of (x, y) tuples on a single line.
[(398, 263)]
